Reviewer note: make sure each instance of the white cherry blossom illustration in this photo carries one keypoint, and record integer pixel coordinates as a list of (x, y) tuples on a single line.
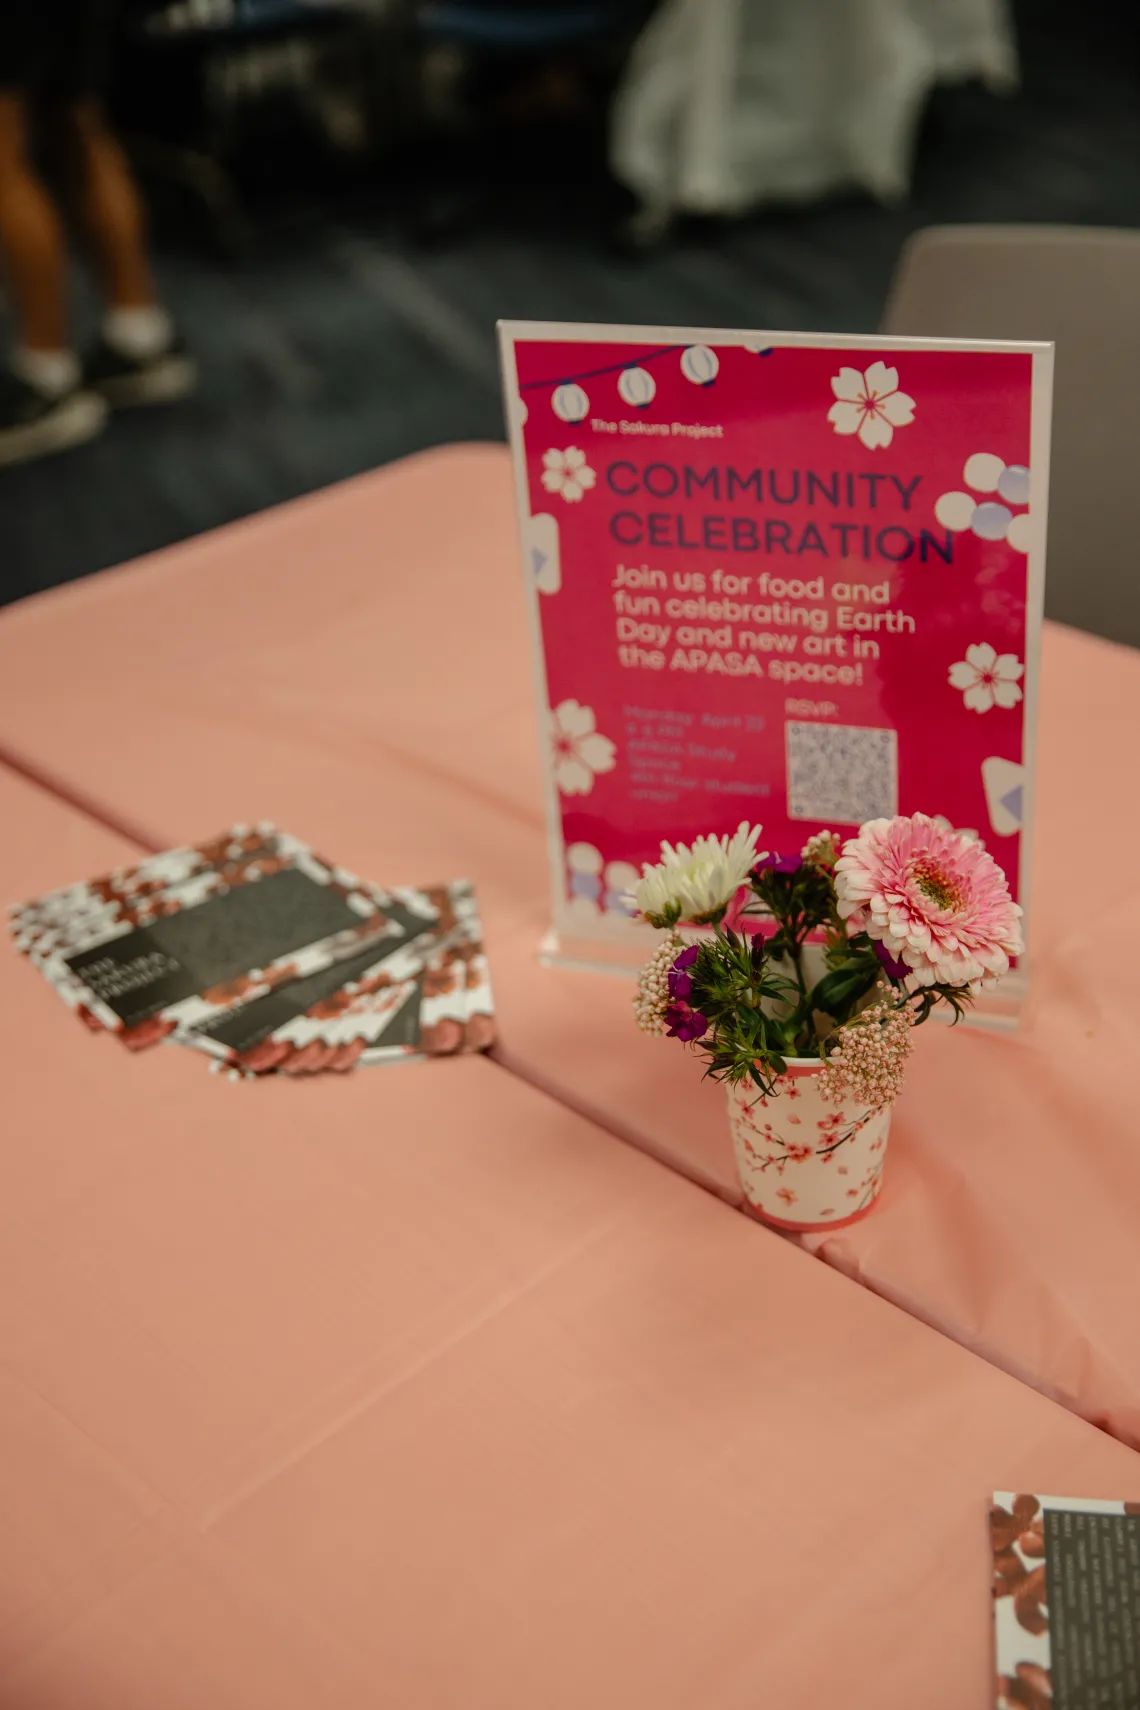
[(567, 473), (622, 878), (987, 678), (870, 404), (580, 750)]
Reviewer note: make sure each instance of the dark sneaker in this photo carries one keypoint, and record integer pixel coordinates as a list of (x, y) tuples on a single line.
[(32, 424), (126, 380)]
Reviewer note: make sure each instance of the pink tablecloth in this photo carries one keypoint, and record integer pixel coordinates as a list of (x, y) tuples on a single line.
[(356, 665), (413, 1388)]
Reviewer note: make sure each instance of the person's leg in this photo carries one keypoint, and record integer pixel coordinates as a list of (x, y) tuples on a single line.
[(31, 238), (111, 209), (138, 334), (140, 358), (42, 405)]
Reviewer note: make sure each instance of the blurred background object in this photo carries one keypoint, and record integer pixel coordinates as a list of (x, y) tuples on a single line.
[(1079, 288), (207, 89), (726, 103), (346, 195), (54, 57), (497, 67)]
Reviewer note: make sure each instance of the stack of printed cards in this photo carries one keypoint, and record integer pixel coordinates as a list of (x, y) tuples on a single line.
[(1066, 1602), (259, 953)]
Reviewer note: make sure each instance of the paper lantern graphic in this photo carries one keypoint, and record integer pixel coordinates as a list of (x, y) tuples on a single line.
[(637, 386), (585, 865), (955, 511), (1013, 484), (570, 403), (621, 879), (584, 858), (1019, 535), (989, 519), (983, 471), (700, 365)]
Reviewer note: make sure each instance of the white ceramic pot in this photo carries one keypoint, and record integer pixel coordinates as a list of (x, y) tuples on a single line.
[(806, 1163)]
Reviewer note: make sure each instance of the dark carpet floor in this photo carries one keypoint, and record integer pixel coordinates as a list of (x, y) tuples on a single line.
[(336, 344)]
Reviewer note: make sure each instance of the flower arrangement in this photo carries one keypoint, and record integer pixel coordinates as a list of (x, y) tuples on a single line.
[(851, 946)]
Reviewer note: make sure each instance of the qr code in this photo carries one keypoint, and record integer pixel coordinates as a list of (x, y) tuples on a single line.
[(841, 773)]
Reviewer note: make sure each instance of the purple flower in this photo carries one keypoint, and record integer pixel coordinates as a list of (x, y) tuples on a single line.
[(680, 980), (895, 966), (777, 864), (684, 1023)]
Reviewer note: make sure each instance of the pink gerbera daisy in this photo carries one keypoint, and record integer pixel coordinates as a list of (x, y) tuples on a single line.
[(935, 900)]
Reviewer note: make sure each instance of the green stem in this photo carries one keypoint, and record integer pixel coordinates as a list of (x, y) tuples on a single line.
[(797, 963)]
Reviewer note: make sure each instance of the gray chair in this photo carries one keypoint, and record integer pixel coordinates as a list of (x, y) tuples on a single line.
[(1081, 288)]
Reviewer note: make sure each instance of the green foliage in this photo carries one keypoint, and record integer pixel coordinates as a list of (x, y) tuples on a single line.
[(753, 993), (841, 988), (749, 1005), (801, 902), (667, 920), (926, 1002)]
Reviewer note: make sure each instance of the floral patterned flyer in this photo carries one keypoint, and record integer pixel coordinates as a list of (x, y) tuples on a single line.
[(1066, 1603), (794, 579)]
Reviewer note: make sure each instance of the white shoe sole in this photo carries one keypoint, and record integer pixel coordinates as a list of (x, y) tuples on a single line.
[(163, 382), (73, 421)]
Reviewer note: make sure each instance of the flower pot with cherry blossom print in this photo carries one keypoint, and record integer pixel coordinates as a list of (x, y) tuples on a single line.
[(805, 986), (806, 1161)]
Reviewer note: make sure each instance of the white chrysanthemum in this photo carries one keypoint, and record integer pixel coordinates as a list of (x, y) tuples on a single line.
[(696, 883)]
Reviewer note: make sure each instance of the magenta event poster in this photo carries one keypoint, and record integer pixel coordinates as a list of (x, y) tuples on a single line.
[(794, 579)]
